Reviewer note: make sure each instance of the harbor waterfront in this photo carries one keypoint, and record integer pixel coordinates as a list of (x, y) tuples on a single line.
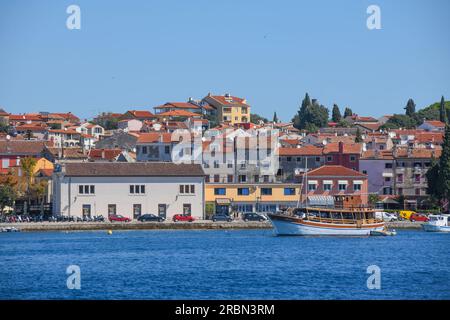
[(222, 264), (196, 225)]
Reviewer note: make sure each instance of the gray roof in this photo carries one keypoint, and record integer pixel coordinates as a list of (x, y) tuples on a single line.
[(138, 169), (21, 147)]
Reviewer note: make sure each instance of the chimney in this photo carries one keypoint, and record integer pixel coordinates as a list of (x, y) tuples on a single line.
[(341, 147)]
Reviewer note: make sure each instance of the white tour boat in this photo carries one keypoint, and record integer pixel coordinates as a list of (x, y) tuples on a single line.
[(437, 223)]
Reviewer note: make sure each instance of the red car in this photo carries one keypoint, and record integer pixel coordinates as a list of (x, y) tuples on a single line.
[(418, 217), (183, 217), (118, 218)]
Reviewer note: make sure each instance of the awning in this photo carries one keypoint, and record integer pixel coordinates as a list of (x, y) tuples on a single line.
[(223, 201), (357, 182), (321, 200), (343, 182), (327, 181), (312, 181)]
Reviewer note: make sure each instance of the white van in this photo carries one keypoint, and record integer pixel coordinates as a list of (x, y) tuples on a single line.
[(385, 216)]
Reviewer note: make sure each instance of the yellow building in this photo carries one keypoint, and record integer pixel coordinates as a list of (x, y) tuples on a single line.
[(229, 109), (239, 197)]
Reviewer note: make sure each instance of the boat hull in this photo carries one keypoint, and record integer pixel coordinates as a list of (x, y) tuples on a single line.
[(298, 227), (435, 228)]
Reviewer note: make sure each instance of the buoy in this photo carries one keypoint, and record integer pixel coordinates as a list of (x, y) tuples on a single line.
[(110, 232)]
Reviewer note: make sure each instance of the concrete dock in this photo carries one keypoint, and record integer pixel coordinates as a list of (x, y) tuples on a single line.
[(196, 225)]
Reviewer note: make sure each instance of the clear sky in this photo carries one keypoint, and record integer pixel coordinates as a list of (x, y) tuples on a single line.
[(139, 54)]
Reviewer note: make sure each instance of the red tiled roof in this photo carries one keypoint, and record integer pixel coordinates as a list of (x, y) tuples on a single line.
[(141, 113), (180, 105), (107, 154), (178, 113), (349, 148), (335, 171), (303, 151), (153, 137), (435, 123)]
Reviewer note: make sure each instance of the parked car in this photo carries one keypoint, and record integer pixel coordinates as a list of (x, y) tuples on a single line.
[(221, 217), (118, 218), (406, 214), (183, 217), (385, 216), (419, 217), (252, 216), (151, 217)]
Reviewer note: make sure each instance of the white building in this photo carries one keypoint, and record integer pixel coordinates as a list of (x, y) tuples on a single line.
[(129, 189)]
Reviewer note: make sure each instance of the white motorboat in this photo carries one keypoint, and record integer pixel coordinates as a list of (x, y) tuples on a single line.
[(437, 223)]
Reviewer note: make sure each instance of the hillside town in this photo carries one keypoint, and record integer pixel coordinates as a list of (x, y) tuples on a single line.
[(134, 163)]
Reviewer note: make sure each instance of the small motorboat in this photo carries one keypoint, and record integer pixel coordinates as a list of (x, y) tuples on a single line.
[(437, 223), (9, 229), (384, 232)]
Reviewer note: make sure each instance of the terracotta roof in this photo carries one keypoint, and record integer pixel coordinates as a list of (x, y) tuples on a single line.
[(349, 148), (435, 123), (21, 147), (303, 151), (69, 153), (107, 154), (45, 172), (420, 153), (370, 126), (179, 105), (64, 131), (25, 117), (153, 137), (137, 169), (435, 137), (178, 113), (31, 127), (380, 155), (335, 171), (141, 113)]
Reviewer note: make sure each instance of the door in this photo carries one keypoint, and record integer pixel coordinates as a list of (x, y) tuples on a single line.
[(162, 210), (112, 209), (137, 210), (187, 209), (86, 210)]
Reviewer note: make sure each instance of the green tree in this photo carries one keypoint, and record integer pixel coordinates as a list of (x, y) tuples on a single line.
[(399, 121), (256, 118), (7, 196), (275, 118), (358, 138), (311, 115), (410, 108), (336, 114), (348, 112), (27, 166), (438, 176), (443, 111)]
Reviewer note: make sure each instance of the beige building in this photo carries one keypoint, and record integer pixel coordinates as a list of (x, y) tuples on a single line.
[(229, 109), (128, 189)]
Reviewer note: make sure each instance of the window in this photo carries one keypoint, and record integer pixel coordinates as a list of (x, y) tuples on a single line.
[(220, 191), (400, 191), (230, 165), (356, 187), (417, 192), (245, 208), (266, 178), (244, 110), (352, 158), (5, 163), (329, 158), (207, 179), (327, 187), (243, 178), (256, 178), (144, 149), (187, 189), (86, 189), (216, 164), (417, 178), (388, 165), (266, 191), (230, 178), (216, 178), (387, 179), (364, 171), (312, 187), (137, 189), (400, 178), (342, 186), (243, 191), (167, 149), (317, 159), (187, 209), (289, 191), (288, 159)]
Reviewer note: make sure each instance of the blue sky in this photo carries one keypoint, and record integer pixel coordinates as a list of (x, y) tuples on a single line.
[(139, 54)]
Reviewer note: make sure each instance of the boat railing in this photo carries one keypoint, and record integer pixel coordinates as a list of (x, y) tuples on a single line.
[(342, 221)]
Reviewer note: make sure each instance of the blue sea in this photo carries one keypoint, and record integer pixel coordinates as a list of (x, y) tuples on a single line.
[(235, 264)]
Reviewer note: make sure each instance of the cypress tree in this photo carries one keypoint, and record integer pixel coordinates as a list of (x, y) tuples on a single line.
[(275, 118), (410, 108), (358, 138), (444, 166), (348, 112), (336, 114), (442, 111)]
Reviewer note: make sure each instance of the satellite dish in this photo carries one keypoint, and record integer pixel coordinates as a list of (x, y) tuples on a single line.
[(324, 142)]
